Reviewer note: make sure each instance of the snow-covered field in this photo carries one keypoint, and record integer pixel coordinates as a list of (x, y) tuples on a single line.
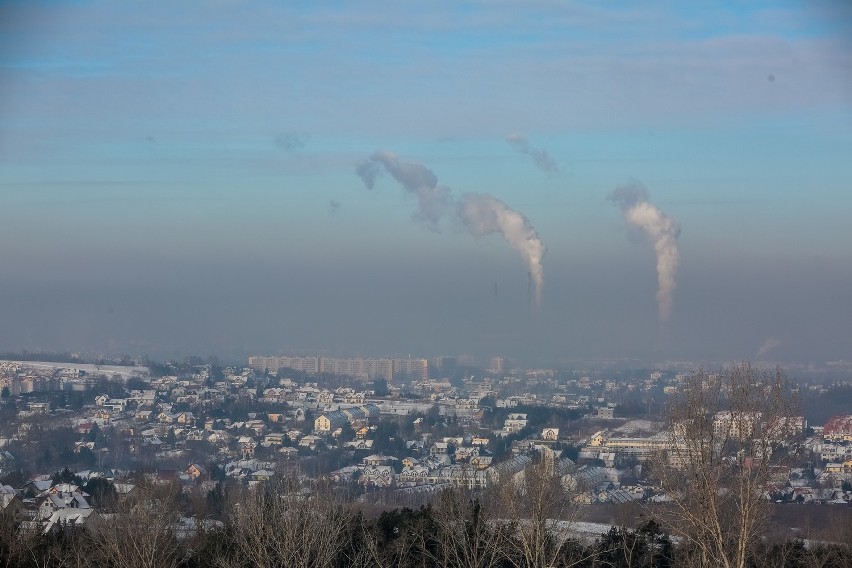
[(107, 370), (635, 427)]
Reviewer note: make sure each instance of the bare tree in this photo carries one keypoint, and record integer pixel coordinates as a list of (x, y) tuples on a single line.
[(409, 541), (141, 533), (468, 534), (279, 525), (729, 432), (541, 510), (17, 544)]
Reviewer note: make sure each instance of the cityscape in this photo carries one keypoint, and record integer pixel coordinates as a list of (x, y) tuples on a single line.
[(469, 284), (80, 440)]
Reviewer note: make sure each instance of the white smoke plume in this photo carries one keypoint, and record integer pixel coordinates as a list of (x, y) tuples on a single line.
[(770, 344), (483, 214), (663, 231), (480, 214), (541, 158), (434, 201)]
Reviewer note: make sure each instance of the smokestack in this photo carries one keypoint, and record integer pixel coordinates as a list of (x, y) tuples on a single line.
[(663, 231)]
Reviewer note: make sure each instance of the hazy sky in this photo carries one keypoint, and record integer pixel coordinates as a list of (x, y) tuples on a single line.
[(181, 177)]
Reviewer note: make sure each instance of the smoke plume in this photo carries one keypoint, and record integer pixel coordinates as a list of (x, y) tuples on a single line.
[(483, 214), (368, 171), (289, 141), (541, 158), (434, 201), (770, 344), (480, 214), (663, 231)]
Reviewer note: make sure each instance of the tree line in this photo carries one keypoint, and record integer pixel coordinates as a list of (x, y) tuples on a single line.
[(282, 525)]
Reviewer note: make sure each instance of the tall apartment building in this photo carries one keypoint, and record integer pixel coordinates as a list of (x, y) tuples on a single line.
[(367, 369), (310, 365), (444, 362), (358, 367), (497, 365), (417, 369)]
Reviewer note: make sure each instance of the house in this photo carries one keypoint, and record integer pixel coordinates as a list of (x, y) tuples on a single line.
[(550, 434), (36, 487), (378, 475), (413, 474), (371, 410), (38, 407), (378, 459), (355, 414), (54, 501), (143, 415), (166, 418), (288, 453), (124, 489), (79, 518), (9, 499), (355, 398), (839, 468), (606, 412), (360, 444), (309, 441), (506, 470), (803, 494), (460, 475), (185, 418), (345, 474), (101, 416), (481, 462), (80, 445), (515, 422), (258, 426), (838, 429), (246, 446), (115, 404), (330, 421), (260, 475), (410, 462), (598, 438), (274, 439), (464, 453), (275, 395), (196, 471)]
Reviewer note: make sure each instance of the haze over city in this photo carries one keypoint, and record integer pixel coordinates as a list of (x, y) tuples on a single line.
[(548, 181)]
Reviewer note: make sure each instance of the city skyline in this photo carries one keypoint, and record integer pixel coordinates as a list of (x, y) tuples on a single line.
[(186, 179)]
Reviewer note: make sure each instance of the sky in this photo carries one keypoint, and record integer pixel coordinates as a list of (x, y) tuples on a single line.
[(548, 181)]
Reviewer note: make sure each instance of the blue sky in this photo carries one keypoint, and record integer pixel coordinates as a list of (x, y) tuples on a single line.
[(180, 176)]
